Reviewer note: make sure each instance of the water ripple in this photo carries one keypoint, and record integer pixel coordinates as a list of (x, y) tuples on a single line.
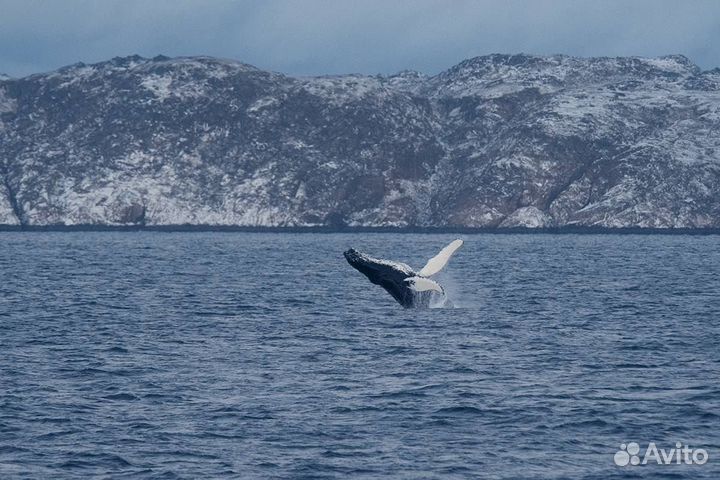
[(234, 355)]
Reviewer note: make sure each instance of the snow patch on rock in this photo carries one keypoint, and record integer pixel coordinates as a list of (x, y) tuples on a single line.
[(7, 103), (530, 217)]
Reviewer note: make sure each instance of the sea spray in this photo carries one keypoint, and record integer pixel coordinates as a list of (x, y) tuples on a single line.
[(454, 296)]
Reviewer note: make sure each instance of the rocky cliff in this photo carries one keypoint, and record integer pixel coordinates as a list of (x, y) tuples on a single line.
[(496, 141)]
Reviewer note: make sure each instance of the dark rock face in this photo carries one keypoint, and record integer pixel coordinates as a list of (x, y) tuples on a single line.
[(500, 140)]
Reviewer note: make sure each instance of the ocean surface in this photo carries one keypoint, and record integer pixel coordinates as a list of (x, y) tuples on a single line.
[(254, 355)]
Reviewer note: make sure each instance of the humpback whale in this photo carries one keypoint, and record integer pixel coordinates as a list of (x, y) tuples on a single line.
[(408, 287)]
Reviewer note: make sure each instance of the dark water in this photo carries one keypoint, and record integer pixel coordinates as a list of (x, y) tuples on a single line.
[(229, 355)]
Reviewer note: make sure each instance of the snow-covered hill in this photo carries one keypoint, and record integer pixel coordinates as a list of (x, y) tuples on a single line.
[(499, 140)]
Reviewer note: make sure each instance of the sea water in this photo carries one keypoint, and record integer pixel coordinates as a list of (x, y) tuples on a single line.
[(249, 355)]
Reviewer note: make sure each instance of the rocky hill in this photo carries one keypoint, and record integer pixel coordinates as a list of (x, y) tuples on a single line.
[(496, 141)]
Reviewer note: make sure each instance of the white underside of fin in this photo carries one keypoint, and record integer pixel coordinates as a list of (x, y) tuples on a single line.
[(438, 262), (421, 284)]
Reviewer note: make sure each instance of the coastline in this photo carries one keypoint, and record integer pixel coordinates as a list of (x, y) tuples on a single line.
[(579, 230)]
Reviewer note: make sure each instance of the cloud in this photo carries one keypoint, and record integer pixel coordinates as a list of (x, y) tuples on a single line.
[(321, 36)]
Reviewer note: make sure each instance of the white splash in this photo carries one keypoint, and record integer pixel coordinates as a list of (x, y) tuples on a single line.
[(453, 296)]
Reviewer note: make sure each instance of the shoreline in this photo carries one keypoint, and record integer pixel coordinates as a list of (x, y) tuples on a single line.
[(329, 230)]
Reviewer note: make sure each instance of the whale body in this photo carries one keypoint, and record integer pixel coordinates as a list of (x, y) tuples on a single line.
[(408, 287)]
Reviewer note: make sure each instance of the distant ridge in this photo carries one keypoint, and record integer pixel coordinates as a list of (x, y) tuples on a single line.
[(495, 142)]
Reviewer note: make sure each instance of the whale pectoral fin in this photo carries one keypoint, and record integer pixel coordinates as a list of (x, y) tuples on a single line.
[(438, 262), (420, 284)]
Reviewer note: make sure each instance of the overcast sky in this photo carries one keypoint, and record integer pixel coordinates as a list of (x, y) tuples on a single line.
[(305, 37)]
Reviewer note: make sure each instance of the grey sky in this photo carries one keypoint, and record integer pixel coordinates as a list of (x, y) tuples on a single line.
[(342, 36)]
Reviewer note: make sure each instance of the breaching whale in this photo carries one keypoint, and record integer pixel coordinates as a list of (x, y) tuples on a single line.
[(408, 287)]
